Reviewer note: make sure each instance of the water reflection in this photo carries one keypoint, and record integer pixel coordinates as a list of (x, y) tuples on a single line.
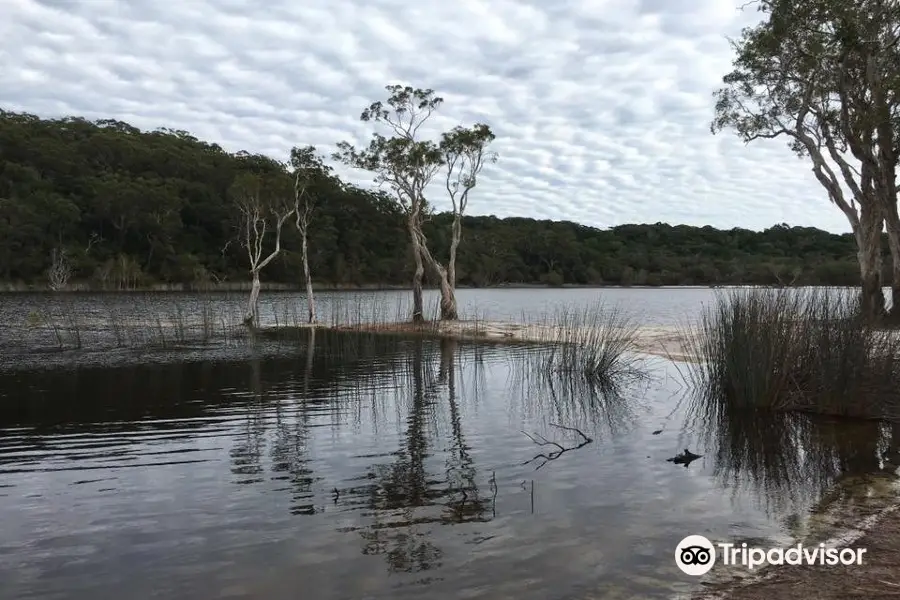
[(577, 402), (368, 466), (405, 497), (788, 461)]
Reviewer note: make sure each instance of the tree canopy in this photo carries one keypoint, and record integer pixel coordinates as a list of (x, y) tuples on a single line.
[(823, 75), (133, 208)]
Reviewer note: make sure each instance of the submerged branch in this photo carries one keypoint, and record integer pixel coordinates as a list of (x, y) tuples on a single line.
[(562, 449)]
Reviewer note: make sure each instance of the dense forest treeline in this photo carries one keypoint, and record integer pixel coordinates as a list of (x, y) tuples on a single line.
[(132, 208)]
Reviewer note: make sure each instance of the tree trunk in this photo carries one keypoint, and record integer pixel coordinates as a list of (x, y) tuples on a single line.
[(310, 299), (455, 235), (448, 295), (892, 225), (449, 310), (418, 314), (252, 318), (868, 239)]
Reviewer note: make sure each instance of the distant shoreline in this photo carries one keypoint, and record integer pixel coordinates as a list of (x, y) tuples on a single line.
[(76, 288)]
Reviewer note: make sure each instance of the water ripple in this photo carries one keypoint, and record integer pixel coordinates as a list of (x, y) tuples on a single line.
[(375, 469)]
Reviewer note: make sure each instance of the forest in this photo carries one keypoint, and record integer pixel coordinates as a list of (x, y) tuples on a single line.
[(132, 209)]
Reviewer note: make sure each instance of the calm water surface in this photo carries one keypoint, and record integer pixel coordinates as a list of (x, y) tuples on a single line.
[(359, 467), (45, 322), (654, 305)]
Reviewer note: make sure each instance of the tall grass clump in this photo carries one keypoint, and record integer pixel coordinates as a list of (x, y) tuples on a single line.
[(595, 342), (799, 350)]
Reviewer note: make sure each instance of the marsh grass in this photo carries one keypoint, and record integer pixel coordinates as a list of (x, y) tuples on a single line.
[(596, 342), (794, 350), (70, 326), (593, 343)]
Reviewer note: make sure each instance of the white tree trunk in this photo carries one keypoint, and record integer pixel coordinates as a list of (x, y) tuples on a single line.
[(455, 235), (418, 314), (449, 310), (252, 318), (892, 223), (310, 299)]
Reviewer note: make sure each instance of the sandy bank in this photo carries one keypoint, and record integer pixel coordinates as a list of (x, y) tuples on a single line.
[(664, 341)]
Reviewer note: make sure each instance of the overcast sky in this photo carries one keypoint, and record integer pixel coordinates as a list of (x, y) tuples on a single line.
[(601, 107)]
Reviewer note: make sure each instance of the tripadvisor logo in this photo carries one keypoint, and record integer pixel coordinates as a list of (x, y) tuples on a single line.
[(695, 555)]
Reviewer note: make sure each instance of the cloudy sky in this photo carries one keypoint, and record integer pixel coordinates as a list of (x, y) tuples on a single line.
[(601, 107)]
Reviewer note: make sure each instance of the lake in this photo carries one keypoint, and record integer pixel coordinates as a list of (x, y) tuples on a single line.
[(350, 466), (103, 320)]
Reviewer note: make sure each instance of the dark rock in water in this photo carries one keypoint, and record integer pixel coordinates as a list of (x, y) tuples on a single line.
[(657, 432), (685, 458)]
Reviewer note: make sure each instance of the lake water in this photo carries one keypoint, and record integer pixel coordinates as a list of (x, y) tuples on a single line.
[(47, 322), (351, 466), (363, 467)]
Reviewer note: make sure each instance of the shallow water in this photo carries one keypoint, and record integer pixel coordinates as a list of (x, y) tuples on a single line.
[(46, 322), (376, 467)]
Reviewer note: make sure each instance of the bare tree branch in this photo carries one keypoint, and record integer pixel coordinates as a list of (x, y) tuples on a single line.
[(551, 456)]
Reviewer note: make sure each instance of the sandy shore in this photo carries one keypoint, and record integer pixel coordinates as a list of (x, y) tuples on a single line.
[(664, 341), (877, 577)]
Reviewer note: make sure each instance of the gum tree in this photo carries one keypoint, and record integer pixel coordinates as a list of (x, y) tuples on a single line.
[(309, 171), (408, 164), (465, 154), (263, 203), (817, 73), (405, 163)]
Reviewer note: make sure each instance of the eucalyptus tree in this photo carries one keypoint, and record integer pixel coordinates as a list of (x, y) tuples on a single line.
[(408, 164), (309, 173), (465, 153), (822, 74), (263, 202)]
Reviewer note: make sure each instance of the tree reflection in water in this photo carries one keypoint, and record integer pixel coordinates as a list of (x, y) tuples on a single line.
[(405, 500), (246, 456), (433, 384), (789, 460), (290, 449)]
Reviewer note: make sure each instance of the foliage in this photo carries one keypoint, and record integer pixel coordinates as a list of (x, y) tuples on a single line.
[(794, 350), (134, 208), (823, 74)]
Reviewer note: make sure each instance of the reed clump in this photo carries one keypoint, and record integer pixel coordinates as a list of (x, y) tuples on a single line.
[(595, 342), (71, 326), (798, 350)]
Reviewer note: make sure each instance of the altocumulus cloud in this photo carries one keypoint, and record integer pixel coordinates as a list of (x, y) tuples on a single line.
[(601, 107)]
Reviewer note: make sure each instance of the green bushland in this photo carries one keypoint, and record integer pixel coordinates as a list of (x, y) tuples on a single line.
[(134, 208)]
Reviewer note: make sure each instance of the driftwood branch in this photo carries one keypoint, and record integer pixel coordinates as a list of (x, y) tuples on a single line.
[(542, 441)]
